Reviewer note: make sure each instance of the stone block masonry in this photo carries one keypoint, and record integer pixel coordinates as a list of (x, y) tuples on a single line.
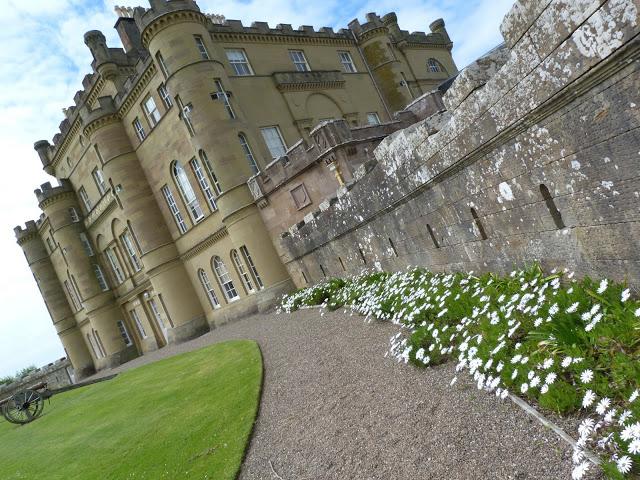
[(536, 159)]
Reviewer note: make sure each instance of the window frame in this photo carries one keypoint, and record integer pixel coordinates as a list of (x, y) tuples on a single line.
[(130, 248), (221, 92), (86, 244), (73, 215), (224, 279), (138, 323), (348, 61), (153, 115), (252, 266), (377, 118), (174, 209), (124, 333), (114, 263), (162, 64), (276, 128), (300, 62), (163, 93), (102, 280), (235, 64), (188, 194), (208, 289), (202, 180), (435, 66), (242, 271), (210, 171), (86, 201), (244, 143), (139, 129), (98, 178), (202, 48)]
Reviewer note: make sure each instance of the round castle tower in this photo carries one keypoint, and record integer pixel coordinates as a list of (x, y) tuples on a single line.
[(168, 30), (55, 300)]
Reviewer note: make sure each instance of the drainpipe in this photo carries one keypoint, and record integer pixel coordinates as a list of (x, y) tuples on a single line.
[(371, 75)]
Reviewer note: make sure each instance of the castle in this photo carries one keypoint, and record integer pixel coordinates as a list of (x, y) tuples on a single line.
[(157, 230)]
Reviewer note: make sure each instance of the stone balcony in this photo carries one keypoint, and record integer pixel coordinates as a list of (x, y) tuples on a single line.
[(318, 79), (105, 205)]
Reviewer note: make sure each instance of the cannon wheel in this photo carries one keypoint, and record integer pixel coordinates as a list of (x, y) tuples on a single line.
[(23, 407)]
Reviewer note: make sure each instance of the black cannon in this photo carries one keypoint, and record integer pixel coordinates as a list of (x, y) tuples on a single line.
[(26, 405)]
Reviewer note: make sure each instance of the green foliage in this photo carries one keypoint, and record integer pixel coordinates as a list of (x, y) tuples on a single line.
[(552, 339), (185, 417), (26, 371)]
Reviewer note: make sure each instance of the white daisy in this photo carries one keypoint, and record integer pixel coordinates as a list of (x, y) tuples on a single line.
[(637, 312), (634, 447), (588, 399), (586, 376), (548, 363), (544, 389), (625, 295), (524, 387), (624, 416), (550, 378), (535, 381), (634, 395), (579, 471), (566, 362), (573, 307), (602, 406), (603, 286), (624, 464)]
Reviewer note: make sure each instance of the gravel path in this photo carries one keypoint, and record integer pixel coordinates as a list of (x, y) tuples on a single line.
[(334, 408)]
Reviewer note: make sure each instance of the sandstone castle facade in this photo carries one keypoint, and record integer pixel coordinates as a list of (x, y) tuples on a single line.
[(160, 227)]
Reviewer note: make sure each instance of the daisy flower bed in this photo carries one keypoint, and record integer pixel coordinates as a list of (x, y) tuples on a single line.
[(569, 346)]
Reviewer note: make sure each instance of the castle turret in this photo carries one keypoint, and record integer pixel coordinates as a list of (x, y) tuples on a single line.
[(177, 37), (90, 299), (159, 255), (54, 297), (437, 26)]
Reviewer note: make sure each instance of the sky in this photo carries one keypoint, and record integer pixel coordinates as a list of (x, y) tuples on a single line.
[(43, 60)]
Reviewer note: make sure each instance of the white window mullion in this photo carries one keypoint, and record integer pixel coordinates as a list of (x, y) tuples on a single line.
[(175, 211)]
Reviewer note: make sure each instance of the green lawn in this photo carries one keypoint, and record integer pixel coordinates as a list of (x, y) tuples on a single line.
[(186, 417)]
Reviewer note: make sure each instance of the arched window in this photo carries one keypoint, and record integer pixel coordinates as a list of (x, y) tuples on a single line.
[(208, 288), (209, 167), (242, 272), (226, 284), (435, 66), (551, 206), (476, 219), (254, 270), (248, 153), (188, 195)]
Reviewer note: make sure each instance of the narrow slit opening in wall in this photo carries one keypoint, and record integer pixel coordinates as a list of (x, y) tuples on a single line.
[(364, 260), (393, 247), (324, 274), (304, 276), (342, 264), (483, 234), (433, 236), (551, 206)]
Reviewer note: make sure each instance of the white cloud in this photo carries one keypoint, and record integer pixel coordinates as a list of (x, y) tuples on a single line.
[(44, 59)]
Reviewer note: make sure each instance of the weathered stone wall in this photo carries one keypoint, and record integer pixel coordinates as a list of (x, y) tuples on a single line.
[(536, 160), (57, 375)]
